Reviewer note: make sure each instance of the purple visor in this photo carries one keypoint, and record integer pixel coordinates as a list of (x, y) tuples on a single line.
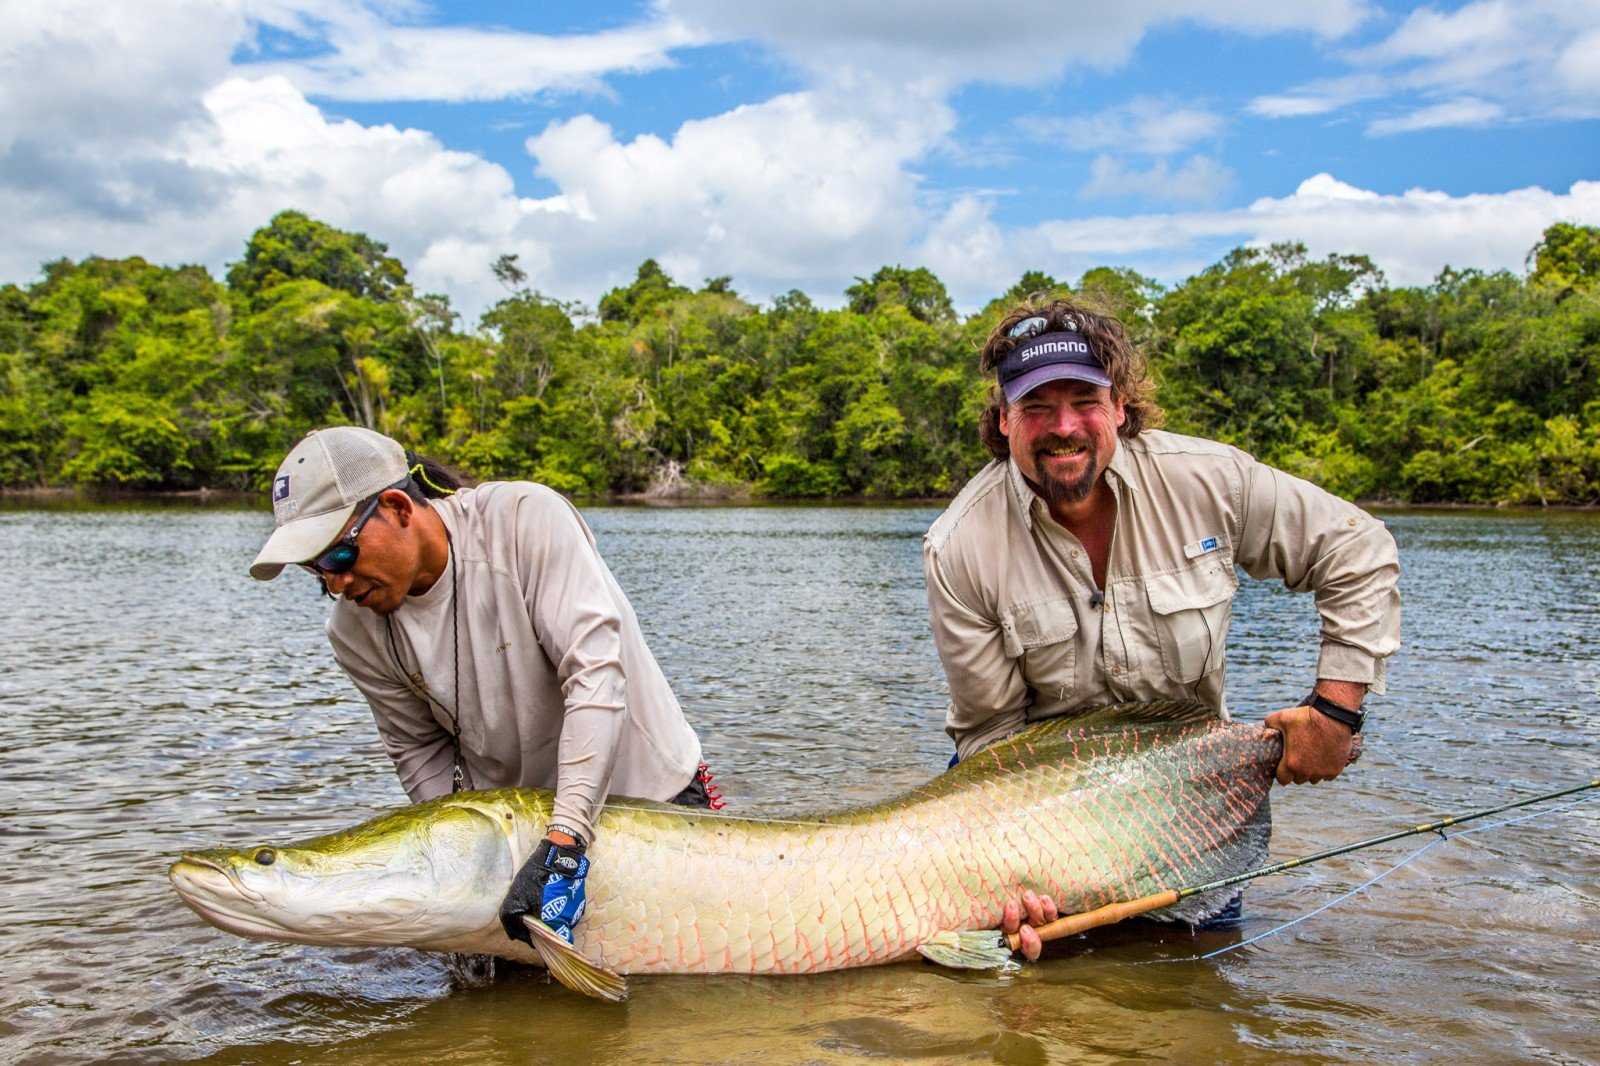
[(1049, 357)]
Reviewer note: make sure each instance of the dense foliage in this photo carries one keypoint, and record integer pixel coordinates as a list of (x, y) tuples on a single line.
[(1479, 387)]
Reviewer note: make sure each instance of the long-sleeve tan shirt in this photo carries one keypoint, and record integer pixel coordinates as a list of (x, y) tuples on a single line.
[(557, 687), (1011, 592)]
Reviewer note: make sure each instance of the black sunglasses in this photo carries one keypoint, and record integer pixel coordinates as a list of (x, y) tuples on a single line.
[(345, 551), (1032, 327)]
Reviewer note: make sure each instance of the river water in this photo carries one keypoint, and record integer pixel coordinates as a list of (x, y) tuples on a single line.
[(155, 699)]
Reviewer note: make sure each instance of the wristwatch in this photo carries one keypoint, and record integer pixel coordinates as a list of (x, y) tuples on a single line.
[(1337, 711), (578, 843)]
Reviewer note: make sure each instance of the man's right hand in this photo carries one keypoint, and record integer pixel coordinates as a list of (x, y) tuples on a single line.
[(1022, 917)]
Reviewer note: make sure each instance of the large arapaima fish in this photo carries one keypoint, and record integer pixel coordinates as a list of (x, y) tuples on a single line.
[(1111, 805)]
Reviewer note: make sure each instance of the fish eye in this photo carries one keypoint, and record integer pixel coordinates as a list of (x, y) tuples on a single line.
[(265, 856)]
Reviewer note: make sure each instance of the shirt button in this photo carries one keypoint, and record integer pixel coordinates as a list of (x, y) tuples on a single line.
[(1076, 553)]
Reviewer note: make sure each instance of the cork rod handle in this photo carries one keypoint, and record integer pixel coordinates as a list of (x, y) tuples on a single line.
[(1110, 914)]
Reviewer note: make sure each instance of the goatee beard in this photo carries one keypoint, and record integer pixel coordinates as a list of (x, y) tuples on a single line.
[(1055, 490)]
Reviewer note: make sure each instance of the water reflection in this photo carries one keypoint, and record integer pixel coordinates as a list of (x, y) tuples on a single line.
[(157, 699)]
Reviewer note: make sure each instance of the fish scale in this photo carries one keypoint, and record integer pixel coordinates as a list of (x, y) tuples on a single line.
[(1112, 805)]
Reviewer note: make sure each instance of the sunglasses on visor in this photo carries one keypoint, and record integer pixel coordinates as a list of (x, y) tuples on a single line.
[(1032, 327)]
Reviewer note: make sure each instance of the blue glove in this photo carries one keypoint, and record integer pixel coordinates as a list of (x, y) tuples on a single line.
[(550, 887)]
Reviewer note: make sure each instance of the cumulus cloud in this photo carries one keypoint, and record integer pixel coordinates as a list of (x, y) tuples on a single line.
[(177, 153), (769, 191), (1411, 236), (1198, 180)]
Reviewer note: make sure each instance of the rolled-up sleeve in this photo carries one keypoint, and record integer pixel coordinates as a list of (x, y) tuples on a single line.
[(422, 752), (988, 696), (1312, 540), (579, 626)]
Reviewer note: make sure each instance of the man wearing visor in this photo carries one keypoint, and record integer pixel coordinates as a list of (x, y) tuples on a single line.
[(1093, 561), (492, 643)]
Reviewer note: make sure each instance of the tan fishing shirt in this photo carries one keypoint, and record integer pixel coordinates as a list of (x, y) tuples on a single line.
[(1010, 589), (557, 687)]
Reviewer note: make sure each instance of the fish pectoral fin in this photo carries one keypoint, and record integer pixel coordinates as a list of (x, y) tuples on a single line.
[(571, 968), (974, 949)]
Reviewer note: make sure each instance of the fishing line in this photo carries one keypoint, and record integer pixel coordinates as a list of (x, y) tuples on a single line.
[(1369, 882)]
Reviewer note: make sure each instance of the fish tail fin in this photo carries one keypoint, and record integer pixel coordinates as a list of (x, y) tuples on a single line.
[(572, 969), (975, 949)]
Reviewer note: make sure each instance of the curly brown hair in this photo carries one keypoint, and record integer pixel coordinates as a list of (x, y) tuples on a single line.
[(1126, 365)]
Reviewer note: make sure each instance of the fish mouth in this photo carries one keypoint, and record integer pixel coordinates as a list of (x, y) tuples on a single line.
[(198, 875), (213, 892)]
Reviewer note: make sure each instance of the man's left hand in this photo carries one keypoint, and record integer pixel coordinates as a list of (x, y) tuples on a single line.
[(1315, 747)]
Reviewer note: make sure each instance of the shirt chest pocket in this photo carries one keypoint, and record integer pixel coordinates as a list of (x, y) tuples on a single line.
[(1191, 610), (1044, 636)]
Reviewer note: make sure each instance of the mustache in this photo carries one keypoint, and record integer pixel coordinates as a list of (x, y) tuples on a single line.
[(1052, 441)]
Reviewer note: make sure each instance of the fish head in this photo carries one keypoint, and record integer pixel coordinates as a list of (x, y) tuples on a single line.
[(415, 877)]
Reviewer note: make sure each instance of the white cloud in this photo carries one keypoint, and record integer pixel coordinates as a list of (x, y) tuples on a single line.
[(1199, 180), (1578, 66), (1021, 42), (1146, 125), (1319, 97), (1528, 59), (772, 192), (175, 154), (1411, 236), (1464, 112), (373, 59)]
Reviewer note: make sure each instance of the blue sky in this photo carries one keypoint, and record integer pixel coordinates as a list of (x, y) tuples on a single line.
[(798, 147)]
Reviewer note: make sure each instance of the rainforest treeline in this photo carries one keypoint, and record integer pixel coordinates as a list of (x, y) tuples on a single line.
[(1481, 387)]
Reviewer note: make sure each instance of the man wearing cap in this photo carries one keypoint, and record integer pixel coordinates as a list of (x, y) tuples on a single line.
[(1093, 561), (492, 643)]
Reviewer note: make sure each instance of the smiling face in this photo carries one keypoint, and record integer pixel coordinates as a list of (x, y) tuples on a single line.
[(1062, 436)]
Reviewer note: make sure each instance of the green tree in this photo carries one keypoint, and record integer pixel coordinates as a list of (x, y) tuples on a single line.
[(1567, 258), (296, 247), (917, 290), (651, 287)]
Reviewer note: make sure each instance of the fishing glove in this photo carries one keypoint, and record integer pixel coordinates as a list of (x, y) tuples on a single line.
[(550, 887)]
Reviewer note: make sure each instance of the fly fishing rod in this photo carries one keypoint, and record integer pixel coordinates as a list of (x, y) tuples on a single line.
[(1116, 912)]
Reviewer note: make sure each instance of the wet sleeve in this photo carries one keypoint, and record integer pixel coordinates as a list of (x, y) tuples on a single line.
[(1312, 540), (422, 752), (988, 697), (579, 626)]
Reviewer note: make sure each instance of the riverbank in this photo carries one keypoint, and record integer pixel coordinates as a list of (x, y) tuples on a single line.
[(698, 496)]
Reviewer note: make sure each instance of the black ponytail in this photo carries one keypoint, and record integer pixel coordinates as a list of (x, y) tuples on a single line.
[(430, 479)]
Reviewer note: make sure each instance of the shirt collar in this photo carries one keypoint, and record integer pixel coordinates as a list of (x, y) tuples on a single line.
[(1121, 467), (1021, 494)]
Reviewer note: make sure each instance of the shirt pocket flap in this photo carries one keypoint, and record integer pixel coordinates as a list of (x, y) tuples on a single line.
[(1034, 625), (1202, 586)]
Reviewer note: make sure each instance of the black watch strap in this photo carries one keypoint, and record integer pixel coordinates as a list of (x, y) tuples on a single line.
[(1337, 711)]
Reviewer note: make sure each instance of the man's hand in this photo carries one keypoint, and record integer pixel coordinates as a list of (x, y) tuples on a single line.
[(548, 887), (1034, 910), (1315, 747)]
